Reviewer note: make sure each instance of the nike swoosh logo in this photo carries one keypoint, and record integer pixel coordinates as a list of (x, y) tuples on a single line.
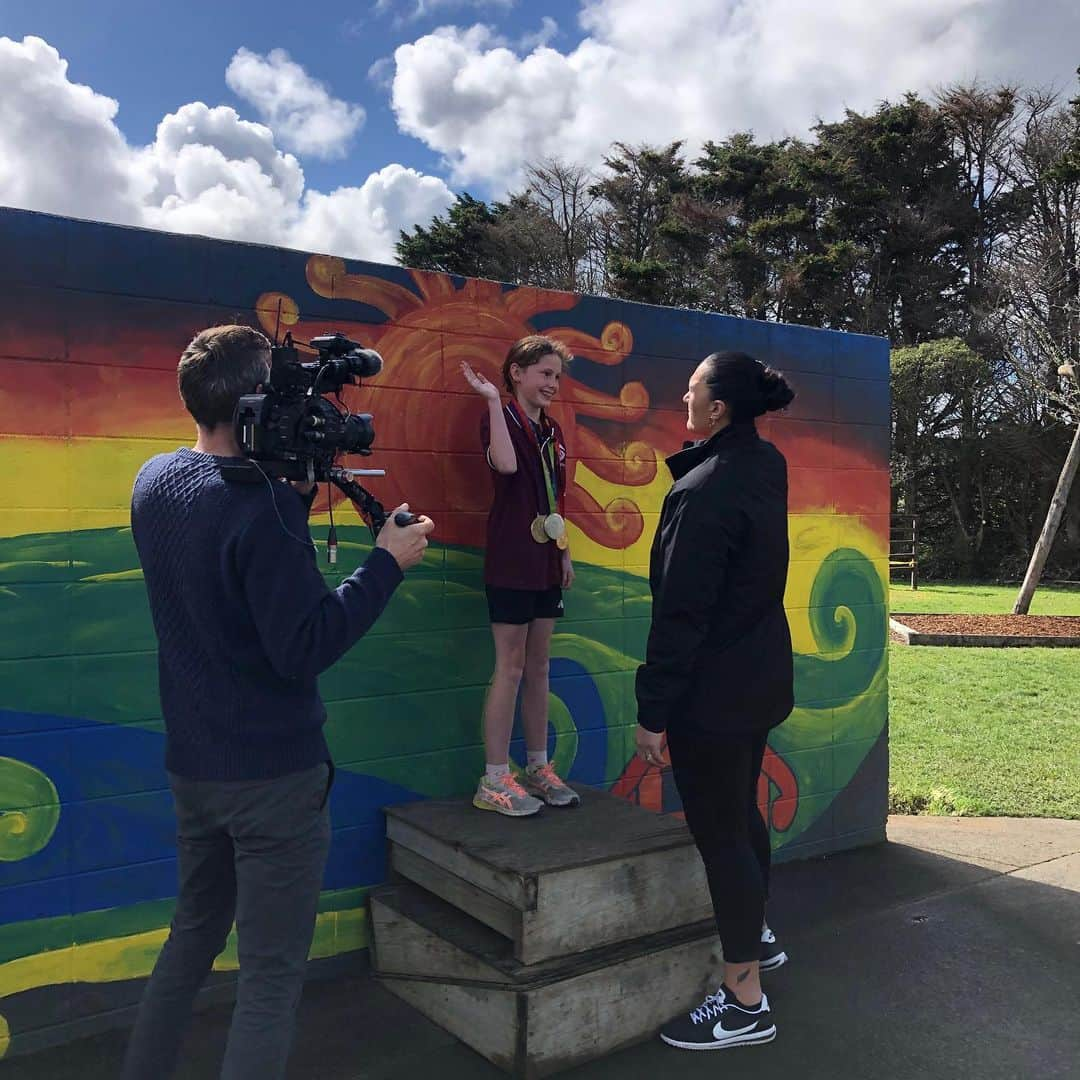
[(720, 1031)]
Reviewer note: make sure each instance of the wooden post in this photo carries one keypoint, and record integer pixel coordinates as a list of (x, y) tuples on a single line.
[(1050, 526), (914, 553)]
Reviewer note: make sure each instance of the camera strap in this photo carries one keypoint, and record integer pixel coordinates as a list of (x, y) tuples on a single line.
[(241, 472)]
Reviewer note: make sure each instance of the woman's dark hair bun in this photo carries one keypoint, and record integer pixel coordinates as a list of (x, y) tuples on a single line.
[(747, 385), (775, 390)]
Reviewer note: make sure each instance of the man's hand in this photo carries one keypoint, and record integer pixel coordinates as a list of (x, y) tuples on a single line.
[(567, 570), (648, 746), (407, 544)]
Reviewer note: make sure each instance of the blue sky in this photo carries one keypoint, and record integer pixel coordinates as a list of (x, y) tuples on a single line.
[(296, 142), (153, 57)]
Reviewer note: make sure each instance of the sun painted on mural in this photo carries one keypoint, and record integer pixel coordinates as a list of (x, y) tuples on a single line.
[(86, 848)]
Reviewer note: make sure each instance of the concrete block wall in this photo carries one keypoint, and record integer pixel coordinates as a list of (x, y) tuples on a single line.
[(92, 321)]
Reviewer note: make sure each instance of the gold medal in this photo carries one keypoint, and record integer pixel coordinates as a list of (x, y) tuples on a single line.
[(536, 529)]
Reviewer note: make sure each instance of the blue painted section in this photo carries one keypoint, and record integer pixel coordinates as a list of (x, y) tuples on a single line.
[(117, 849)]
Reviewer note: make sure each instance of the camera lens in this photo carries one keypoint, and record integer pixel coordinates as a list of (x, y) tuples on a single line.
[(358, 434)]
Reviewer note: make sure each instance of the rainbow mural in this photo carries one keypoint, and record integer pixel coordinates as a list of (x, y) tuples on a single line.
[(92, 321)]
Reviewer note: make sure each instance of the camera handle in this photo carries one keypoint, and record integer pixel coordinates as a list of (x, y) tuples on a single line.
[(370, 507)]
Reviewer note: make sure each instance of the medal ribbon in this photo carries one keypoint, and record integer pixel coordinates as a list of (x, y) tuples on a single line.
[(547, 455)]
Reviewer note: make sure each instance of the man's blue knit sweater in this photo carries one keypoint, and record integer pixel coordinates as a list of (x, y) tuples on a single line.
[(244, 620)]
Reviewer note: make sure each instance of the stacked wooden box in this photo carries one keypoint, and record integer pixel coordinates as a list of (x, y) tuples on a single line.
[(547, 941)]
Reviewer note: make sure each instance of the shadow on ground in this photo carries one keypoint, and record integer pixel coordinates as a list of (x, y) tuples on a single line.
[(905, 962)]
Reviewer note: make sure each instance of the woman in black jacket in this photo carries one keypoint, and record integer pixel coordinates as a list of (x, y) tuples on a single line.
[(718, 672)]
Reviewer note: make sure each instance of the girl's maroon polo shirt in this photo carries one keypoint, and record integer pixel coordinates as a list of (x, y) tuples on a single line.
[(512, 559)]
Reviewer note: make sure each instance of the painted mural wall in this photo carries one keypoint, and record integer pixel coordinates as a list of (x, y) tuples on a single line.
[(92, 321)]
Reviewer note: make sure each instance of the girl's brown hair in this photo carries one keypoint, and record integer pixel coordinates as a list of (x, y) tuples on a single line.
[(531, 350)]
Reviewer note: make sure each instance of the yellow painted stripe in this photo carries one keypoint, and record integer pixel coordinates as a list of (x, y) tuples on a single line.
[(133, 957)]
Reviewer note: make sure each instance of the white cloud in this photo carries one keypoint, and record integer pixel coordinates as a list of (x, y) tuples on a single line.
[(214, 173), (207, 171), (381, 72), (298, 108), (484, 108), (368, 219), (702, 69), (59, 147), (549, 30)]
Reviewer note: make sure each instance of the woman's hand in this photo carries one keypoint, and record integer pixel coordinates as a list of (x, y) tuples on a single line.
[(649, 746), (567, 570), (487, 390)]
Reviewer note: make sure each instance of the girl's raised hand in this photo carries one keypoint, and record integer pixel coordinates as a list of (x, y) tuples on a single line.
[(481, 385)]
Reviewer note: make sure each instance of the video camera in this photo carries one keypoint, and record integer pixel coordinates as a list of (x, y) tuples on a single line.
[(295, 432)]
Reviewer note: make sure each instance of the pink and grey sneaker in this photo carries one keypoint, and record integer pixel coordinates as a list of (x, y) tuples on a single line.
[(545, 783), (505, 796)]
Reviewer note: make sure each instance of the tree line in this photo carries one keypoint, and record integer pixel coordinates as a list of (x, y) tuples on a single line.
[(949, 225)]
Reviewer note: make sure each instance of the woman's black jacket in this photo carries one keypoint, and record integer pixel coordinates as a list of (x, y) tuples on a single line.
[(718, 659)]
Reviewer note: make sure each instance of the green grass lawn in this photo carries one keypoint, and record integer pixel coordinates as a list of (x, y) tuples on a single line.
[(949, 597), (984, 731)]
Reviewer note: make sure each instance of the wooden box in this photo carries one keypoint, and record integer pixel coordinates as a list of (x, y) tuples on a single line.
[(565, 881), (534, 1020)]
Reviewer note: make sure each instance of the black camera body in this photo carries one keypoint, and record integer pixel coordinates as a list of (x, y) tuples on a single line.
[(292, 429)]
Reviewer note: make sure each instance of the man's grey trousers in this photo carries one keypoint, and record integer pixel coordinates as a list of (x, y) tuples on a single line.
[(253, 851)]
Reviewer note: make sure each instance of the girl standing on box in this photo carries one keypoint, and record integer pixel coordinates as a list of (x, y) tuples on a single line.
[(526, 567)]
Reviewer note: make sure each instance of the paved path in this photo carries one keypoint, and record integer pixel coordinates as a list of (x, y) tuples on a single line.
[(953, 951)]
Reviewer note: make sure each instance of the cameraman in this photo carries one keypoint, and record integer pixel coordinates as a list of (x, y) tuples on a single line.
[(245, 623)]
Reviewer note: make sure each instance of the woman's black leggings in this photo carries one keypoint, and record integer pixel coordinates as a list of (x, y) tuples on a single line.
[(717, 779)]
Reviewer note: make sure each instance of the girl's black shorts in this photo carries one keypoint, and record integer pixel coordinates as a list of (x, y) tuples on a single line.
[(520, 606)]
